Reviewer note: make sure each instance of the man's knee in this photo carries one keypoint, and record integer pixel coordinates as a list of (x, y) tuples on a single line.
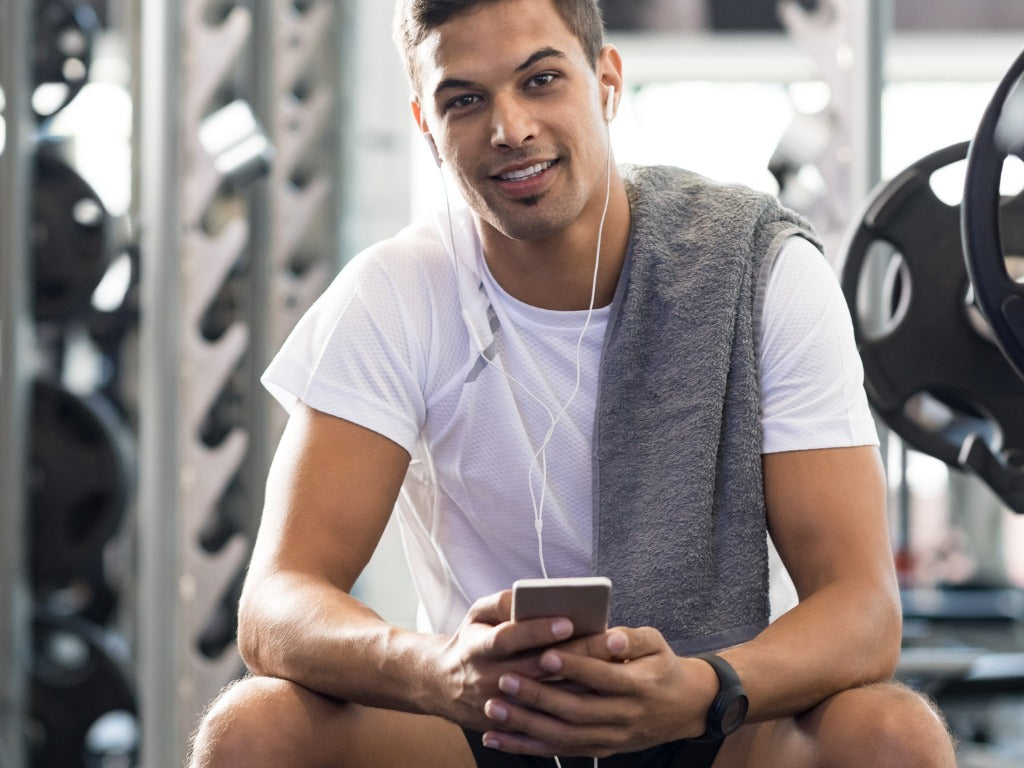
[(248, 724), (881, 725)]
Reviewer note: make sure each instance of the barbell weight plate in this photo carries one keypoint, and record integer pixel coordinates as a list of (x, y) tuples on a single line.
[(79, 481), (90, 593), (65, 32), (984, 222), (77, 678), (70, 242), (930, 357)]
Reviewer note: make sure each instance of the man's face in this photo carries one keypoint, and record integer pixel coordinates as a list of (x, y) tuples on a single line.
[(516, 111)]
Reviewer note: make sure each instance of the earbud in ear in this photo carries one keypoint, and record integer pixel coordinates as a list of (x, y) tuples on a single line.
[(609, 105), (433, 148)]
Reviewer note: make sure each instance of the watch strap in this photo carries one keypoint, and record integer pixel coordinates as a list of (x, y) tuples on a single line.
[(729, 687)]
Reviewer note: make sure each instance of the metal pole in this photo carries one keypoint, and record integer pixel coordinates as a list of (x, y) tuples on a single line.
[(870, 25), (15, 374), (159, 623)]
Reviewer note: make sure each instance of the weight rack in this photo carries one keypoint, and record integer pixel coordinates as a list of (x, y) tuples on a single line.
[(247, 257)]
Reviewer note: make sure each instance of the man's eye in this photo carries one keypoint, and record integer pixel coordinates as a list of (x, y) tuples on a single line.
[(462, 102), (539, 81)]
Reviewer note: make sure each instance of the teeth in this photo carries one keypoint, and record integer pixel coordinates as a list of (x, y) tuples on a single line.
[(533, 170)]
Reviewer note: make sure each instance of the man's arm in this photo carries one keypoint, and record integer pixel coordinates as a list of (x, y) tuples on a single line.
[(827, 517), (826, 513), (330, 492)]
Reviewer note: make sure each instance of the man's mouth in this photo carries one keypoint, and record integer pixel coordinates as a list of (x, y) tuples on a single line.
[(526, 173)]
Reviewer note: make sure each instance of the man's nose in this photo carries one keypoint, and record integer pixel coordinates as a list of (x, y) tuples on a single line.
[(512, 121)]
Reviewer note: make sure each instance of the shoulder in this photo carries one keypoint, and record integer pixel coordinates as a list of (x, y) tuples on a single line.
[(415, 251), (665, 184), (669, 196), (412, 267)]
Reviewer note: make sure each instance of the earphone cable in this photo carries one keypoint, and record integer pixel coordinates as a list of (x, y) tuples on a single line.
[(541, 455)]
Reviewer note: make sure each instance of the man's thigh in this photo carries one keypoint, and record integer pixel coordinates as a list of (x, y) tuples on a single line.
[(877, 725), (268, 722)]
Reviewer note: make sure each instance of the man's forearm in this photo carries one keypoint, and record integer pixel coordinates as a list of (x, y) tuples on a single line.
[(316, 635), (843, 636)]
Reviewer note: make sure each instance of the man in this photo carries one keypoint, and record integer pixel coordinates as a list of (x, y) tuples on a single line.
[(567, 377)]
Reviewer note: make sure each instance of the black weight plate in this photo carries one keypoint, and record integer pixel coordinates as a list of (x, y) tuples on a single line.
[(79, 481), (77, 678), (999, 296), (932, 348), (65, 31), (70, 252), (89, 593)]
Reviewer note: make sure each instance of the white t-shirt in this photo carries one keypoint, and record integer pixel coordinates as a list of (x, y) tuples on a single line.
[(416, 341)]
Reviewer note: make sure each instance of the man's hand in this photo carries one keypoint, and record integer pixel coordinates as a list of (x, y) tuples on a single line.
[(488, 646), (642, 694)]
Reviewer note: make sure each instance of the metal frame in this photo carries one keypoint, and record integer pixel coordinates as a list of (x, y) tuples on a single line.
[(160, 634), (266, 53), (15, 374)]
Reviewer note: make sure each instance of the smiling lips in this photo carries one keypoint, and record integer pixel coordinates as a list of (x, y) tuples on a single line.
[(525, 173)]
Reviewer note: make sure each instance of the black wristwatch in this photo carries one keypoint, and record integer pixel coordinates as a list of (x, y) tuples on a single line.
[(729, 708)]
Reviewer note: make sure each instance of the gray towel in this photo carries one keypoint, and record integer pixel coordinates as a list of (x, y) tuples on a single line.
[(679, 509)]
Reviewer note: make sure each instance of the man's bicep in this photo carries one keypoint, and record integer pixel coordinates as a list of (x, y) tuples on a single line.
[(330, 491), (827, 517)]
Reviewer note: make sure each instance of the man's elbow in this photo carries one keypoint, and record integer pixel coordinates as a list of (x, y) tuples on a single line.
[(886, 629), (251, 630)]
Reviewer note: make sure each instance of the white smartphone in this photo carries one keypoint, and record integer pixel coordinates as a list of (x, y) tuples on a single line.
[(583, 600)]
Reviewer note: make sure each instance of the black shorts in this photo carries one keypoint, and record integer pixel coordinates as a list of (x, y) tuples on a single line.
[(676, 754)]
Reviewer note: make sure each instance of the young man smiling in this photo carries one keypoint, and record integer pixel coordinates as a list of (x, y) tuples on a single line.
[(638, 374)]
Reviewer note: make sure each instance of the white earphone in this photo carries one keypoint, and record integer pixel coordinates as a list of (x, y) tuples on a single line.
[(539, 458), (433, 148)]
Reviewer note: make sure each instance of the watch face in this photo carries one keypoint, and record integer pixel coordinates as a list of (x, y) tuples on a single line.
[(734, 715)]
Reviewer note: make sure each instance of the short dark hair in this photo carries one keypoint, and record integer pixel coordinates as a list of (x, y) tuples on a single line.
[(415, 19)]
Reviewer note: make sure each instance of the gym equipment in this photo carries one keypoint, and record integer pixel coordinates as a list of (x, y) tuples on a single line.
[(221, 628), (80, 470), (70, 253), (65, 31), (999, 296), (237, 142), (78, 691), (931, 370)]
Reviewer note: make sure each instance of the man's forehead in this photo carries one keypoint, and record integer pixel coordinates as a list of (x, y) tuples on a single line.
[(493, 39)]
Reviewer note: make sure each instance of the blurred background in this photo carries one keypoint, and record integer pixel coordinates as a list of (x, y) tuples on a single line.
[(180, 180)]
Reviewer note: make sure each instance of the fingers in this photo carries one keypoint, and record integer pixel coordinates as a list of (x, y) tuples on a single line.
[(571, 725), (597, 663), (504, 638), (491, 609), (515, 637), (618, 644), (607, 687)]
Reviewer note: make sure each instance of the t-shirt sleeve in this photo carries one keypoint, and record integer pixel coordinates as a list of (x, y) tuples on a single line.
[(812, 379), (356, 355)]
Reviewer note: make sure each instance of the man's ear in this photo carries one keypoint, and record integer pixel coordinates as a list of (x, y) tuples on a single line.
[(609, 70), (421, 122), (417, 113)]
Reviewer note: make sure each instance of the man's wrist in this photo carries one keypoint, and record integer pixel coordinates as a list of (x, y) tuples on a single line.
[(700, 691), (728, 709)]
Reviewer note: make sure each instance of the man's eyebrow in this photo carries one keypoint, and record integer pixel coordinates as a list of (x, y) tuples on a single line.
[(543, 53), (451, 82), (459, 84)]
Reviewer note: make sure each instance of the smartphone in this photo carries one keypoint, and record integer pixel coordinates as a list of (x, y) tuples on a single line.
[(583, 600)]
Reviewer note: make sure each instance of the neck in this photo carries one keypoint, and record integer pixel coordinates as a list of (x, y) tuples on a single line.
[(557, 271)]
